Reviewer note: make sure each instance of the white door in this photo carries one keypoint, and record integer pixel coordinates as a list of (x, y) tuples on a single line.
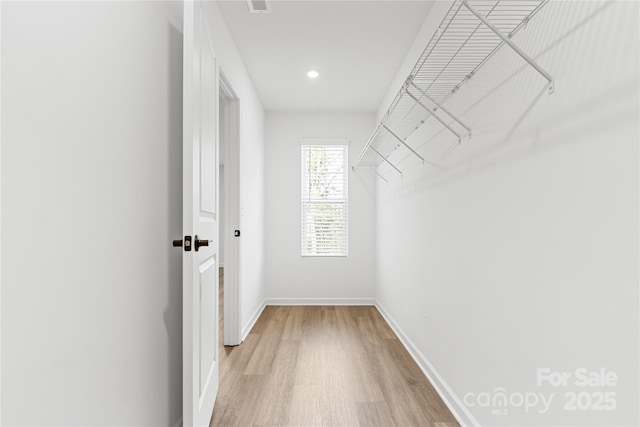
[(200, 218)]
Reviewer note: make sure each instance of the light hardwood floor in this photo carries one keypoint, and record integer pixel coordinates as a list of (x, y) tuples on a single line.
[(225, 352), (324, 366)]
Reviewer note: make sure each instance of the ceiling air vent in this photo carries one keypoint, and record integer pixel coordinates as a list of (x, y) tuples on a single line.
[(259, 6)]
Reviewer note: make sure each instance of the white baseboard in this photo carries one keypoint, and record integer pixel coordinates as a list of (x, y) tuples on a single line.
[(252, 320), (321, 301), (455, 405)]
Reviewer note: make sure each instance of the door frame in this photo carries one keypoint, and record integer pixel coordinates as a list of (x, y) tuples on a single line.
[(0, 218), (230, 102)]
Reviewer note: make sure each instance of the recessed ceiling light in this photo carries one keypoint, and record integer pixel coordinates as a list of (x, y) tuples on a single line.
[(313, 74)]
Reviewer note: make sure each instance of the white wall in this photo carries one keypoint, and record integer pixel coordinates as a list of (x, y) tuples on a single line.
[(290, 277), (252, 268), (91, 198), (523, 252)]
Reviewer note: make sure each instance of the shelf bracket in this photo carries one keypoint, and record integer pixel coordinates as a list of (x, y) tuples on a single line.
[(381, 177), (512, 45), (367, 145), (432, 114), (386, 160), (375, 171), (402, 141), (440, 106)]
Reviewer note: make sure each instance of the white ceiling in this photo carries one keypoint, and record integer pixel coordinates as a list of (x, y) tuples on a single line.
[(357, 46)]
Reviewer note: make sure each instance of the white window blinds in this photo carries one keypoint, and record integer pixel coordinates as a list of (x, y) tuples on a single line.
[(324, 200)]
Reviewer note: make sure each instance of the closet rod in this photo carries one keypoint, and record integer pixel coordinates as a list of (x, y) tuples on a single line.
[(432, 114), (403, 142), (386, 160), (440, 106)]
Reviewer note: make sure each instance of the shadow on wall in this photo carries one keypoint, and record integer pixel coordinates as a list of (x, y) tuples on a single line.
[(526, 120), (367, 179), (173, 313), (515, 146)]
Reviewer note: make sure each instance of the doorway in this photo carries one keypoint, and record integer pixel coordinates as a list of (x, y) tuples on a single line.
[(230, 211)]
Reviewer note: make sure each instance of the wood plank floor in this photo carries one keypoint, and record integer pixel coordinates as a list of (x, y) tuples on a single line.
[(324, 366)]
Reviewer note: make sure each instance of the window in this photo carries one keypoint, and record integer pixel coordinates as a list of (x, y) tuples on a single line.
[(324, 198)]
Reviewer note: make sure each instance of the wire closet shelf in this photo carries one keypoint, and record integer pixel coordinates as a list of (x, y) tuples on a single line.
[(471, 32)]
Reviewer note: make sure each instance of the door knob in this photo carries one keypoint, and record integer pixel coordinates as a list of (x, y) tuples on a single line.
[(187, 243), (200, 242)]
